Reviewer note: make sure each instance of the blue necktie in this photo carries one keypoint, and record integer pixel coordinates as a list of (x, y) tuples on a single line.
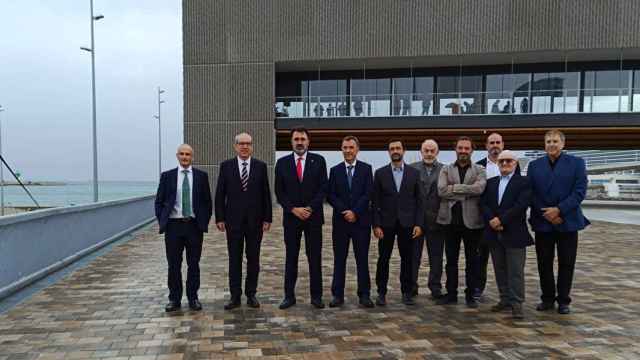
[(349, 175)]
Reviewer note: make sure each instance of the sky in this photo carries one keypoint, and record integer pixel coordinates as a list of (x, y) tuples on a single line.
[(45, 87)]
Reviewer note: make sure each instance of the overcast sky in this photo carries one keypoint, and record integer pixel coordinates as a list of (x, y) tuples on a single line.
[(45, 87)]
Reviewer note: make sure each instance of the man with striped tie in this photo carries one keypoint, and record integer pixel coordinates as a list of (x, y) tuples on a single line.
[(243, 210)]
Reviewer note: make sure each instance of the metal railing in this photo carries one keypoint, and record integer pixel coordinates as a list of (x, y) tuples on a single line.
[(461, 103)]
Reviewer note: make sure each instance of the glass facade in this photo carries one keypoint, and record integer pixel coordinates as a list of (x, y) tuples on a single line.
[(515, 89)]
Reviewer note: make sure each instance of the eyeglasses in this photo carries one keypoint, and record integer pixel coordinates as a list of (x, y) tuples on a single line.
[(244, 144), (505, 161)]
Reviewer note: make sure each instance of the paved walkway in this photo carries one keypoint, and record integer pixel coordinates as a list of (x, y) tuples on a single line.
[(113, 308)]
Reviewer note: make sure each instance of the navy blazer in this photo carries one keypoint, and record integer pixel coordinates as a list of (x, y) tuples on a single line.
[(201, 194), (355, 199), (232, 205), (290, 192), (390, 206), (512, 212), (564, 186)]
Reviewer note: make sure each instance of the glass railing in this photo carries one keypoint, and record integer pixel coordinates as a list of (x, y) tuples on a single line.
[(468, 103)]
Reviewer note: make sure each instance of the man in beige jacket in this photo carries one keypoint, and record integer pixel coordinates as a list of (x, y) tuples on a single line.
[(460, 186)]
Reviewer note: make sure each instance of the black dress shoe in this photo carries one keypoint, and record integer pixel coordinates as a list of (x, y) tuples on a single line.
[(381, 300), (436, 295), (195, 305), (317, 303), (172, 306), (414, 292), (501, 307), (232, 304), (366, 302), (336, 302), (564, 309), (253, 302), (287, 303), (544, 306), (447, 300), (472, 303), (407, 299), (516, 312)]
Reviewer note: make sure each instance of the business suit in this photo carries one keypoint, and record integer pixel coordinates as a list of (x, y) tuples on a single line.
[(433, 232), (483, 247), (562, 185), (508, 247), (397, 212), (310, 192), (183, 233), (460, 214), (243, 210), (351, 194)]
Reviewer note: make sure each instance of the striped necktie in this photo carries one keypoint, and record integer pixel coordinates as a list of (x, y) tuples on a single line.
[(244, 176)]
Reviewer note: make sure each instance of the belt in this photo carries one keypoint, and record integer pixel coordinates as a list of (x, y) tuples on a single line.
[(183, 220)]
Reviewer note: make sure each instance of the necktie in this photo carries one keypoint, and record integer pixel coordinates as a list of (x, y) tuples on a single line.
[(244, 177), (186, 195), (349, 175), (299, 169)]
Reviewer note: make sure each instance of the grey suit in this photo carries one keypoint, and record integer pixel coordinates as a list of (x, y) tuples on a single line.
[(433, 234)]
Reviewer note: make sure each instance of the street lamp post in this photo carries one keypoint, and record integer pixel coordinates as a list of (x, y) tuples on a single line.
[(1, 171), (93, 102), (160, 102)]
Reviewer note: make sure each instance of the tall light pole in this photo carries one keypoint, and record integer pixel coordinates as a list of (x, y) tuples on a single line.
[(1, 171), (160, 102), (92, 50)]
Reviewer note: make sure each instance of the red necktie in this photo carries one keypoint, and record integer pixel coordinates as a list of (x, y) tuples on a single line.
[(299, 169)]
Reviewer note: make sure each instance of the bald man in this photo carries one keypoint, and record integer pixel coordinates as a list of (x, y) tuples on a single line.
[(183, 208)]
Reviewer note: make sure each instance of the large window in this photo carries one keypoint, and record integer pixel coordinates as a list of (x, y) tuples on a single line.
[(371, 97), (556, 92), (422, 103), (606, 91), (508, 93)]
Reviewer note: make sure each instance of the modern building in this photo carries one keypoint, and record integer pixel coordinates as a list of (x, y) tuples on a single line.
[(411, 69)]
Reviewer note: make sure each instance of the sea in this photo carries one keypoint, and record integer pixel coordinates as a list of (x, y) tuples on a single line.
[(76, 193)]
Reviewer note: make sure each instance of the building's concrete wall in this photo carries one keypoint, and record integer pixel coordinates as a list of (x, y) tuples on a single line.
[(35, 244)]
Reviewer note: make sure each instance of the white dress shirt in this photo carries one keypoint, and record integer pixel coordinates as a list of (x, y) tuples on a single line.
[(240, 161), (295, 162), (176, 213), (502, 186), (353, 170), (492, 169)]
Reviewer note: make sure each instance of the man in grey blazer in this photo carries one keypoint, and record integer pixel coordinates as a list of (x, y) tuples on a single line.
[(429, 169), (460, 185)]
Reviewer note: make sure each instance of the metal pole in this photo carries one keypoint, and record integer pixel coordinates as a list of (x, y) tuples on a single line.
[(159, 135), (93, 109), (1, 172)]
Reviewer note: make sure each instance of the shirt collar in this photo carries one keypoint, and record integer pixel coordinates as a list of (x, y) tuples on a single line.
[(240, 161), (489, 161), (346, 164), (296, 156), (433, 164), (457, 164), (507, 177), (181, 169), (401, 168)]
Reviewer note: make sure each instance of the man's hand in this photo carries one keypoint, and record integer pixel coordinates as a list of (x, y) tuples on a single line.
[(557, 221), (266, 226), (377, 231), (417, 231), (221, 226), (301, 213), (495, 223), (550, 213), (349, 216)]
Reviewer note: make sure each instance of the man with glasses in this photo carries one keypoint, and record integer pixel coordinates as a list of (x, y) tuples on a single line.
[(243, 211)]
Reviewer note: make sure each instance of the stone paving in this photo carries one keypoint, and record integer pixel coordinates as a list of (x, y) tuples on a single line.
[(114, 309)]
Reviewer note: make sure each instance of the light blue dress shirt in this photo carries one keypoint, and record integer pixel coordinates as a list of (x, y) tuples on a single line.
[(502, 186), (397, 175)]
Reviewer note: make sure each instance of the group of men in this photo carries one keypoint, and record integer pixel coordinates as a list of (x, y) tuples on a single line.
[(481, 205)]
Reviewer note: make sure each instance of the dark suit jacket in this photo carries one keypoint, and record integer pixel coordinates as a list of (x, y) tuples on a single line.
[(512, 212), (483, 162), (201, 194), (430, 198), (290, 192), (564, 186), (357, 199), (233, 205), (390, 206)]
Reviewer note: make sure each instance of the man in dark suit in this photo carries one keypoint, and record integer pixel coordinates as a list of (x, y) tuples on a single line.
[(559, 184), (350, 184), (301, 186), (429, 169), (243, 210), (504, 208), (183, 208), (494, 146), (397, 213)]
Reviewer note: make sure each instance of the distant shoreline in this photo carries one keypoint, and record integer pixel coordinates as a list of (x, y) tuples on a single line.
[(36, 183)]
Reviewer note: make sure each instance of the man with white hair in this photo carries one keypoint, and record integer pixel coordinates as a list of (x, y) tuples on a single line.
[(504, 208)]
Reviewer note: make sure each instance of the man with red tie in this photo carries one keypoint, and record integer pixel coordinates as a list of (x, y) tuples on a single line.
[(300, 187)]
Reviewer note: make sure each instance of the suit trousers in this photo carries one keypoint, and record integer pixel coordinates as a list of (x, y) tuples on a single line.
[(313, 246), (455, 234), (245, 238), (567, 244), (434, 238), (484, 252), (385, 248), (181, 236), (508, 264), (361, 238)]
